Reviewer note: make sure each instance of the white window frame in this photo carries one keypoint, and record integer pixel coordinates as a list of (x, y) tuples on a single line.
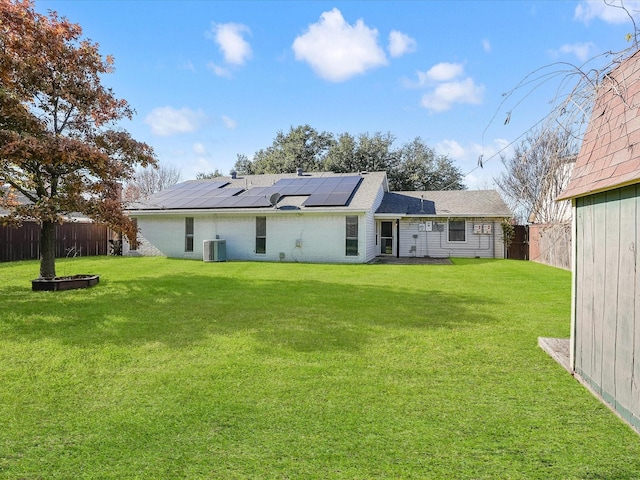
[(449, 222), (349, 223), (260, 236), (189, 229)]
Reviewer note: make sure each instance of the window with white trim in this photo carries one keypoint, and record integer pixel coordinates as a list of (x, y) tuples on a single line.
[(188, 234), (261, 234), (351, 247), (457, 231)]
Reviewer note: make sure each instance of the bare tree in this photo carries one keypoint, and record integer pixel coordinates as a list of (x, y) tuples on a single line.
[(541, 165), (535, 175), (150, 180)]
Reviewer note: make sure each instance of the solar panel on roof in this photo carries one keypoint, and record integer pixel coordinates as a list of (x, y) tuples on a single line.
[(321, 191), (338, 199), (315, 200)]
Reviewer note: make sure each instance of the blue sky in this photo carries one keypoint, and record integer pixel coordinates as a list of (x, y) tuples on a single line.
[(213, 79)]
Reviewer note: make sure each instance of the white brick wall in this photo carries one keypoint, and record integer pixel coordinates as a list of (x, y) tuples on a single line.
[(307, 237)]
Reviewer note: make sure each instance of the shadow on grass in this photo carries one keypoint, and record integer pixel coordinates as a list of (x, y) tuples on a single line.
[(180, 311)]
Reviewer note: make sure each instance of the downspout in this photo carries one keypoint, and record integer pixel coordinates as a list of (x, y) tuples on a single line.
[(397, 238), (493, 239)]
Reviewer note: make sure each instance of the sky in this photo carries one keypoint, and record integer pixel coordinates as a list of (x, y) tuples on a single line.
[(210, 80)]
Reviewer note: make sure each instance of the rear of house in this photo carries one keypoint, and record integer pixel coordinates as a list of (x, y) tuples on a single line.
[(452, 223), (316, 217)]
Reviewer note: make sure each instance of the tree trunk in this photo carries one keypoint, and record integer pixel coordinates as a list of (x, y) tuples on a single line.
[(48, 250)]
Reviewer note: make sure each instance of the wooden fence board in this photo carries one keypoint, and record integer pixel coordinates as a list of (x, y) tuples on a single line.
[(73, 239)]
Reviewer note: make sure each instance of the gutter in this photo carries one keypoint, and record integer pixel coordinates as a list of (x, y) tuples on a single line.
[(228, 212)]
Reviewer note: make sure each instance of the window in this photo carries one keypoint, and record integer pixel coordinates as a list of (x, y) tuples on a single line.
[(188, 234), (261, 234), (457, 231), (352, 236)]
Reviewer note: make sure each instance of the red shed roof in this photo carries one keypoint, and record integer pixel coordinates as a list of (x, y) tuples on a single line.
[(610, 153)]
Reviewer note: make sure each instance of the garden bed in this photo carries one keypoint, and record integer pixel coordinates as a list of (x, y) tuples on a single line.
[(64, 283)]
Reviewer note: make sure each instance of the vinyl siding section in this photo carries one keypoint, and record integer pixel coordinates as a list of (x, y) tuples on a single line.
[(415, 242)]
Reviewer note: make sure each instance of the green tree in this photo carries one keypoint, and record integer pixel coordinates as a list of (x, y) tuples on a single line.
[(371, 153), (208, 176), (243, 165), (55, 145), (302, 147), (420, 168)]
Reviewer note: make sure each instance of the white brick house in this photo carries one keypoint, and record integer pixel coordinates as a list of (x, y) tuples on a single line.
[(316, 217)]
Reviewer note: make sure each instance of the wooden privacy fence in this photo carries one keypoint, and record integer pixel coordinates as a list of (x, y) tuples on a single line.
[(519, 248), (550, 243), (72, 240)]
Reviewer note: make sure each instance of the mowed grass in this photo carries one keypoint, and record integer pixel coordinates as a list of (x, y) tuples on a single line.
[(182, 369)]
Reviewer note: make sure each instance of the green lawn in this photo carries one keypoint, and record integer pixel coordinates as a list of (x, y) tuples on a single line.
[(184, 369)]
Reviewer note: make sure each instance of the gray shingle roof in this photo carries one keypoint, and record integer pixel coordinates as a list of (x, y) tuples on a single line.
[(207, 194), (444, 203)]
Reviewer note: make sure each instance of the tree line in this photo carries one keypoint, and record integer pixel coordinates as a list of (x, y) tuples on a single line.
[(413, 166)]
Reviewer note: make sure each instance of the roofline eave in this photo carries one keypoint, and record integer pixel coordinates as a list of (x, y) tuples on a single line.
[(229, 211)]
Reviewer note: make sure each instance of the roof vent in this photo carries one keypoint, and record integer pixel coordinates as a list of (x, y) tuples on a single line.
[(234, 174), (299, 171)]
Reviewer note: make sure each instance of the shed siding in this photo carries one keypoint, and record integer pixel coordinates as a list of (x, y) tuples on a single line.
[(420, 243), (301, 238), (607, 340)]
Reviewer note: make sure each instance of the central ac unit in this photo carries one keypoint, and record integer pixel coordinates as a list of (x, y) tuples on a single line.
[(214, 250)]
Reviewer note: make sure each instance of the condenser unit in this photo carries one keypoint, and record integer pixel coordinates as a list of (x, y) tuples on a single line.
[(214, 250)]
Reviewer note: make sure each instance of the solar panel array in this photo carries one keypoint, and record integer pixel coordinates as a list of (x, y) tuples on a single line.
[(321, 192)]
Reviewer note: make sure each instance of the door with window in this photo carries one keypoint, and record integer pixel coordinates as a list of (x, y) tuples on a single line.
[(386, 238)]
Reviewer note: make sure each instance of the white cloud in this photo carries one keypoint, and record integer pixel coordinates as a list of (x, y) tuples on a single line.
[(446, 94), (230, 123), (199, 149), (588, 10), (486, 45), (336, 50), (443, 72), (451, 148), (167, 121), (447, 87), (466, 157), (188, 65), (583, 51), (218, 70), (440, 72), (400, 43), (229, 37)]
